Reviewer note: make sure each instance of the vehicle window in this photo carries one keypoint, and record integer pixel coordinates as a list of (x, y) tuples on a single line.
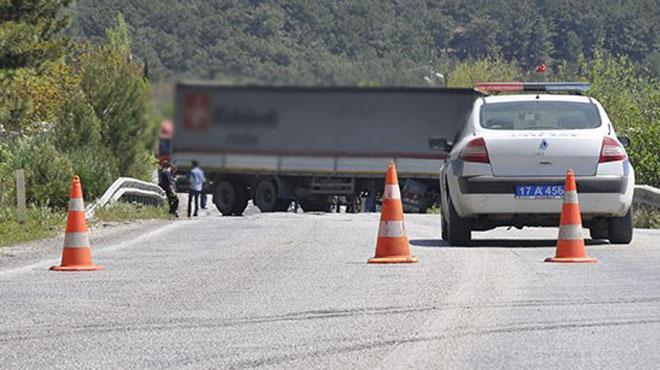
[(539, 115)]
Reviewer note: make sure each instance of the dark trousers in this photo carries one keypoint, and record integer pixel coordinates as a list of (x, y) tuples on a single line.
[(173, 201), (193, 195), (202, 200)]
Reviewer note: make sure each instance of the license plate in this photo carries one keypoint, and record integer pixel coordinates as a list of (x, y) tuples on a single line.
[(530, 191)]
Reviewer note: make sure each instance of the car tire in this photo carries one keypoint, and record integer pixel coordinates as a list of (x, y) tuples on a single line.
[(621, 228), (226, 198), (598, 233), (459, 229)]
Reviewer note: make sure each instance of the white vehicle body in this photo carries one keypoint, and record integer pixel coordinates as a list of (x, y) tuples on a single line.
[(483, 192)]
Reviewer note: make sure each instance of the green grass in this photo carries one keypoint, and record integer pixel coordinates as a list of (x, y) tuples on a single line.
[(43, 222), (40, 223), (120, 211)]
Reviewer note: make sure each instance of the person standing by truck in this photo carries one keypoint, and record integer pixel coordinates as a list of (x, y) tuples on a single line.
[(196, 181), (166, 182)]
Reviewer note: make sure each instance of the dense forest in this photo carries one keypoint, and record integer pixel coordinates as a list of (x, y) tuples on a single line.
[(345, 41)]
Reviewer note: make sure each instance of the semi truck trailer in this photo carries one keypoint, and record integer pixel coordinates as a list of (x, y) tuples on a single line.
[(314, 145)]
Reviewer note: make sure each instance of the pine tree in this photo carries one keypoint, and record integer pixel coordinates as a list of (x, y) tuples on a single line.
[(30, 32)]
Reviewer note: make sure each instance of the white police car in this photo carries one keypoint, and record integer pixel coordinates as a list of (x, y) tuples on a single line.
[(507, 165)]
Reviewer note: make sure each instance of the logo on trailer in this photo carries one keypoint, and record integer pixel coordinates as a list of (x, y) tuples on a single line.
[(197, 112)]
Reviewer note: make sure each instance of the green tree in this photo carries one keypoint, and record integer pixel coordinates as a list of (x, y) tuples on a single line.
[(30, 35), (120, 97), (467, 74), (632, 102), (30, 32)]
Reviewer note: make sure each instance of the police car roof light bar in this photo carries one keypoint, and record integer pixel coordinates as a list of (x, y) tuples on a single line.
[(572, 87)]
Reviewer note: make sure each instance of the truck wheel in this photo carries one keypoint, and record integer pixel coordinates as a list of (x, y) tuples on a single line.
[(458, 230), (282, 205), (265, 197), (443, 228), (226, 198), (621, 228), (241, 200), (315, 206)]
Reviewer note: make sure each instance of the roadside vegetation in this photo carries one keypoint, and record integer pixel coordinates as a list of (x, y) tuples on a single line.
[(45, 222), (647, 217), (67, 107), (41, 222), (76, 94), (117, 212)]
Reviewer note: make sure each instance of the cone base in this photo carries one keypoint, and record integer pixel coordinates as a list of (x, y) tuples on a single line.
[(571, 260), (394, 259), (77, 268)]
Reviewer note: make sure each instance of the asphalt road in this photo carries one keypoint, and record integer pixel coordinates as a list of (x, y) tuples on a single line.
[(294, 291)]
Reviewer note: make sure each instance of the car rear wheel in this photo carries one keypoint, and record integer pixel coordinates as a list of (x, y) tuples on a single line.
[(621, 228), (598, 229), (459, 229)]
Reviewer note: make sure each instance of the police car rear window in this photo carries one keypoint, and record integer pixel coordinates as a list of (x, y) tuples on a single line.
[(539, 115)]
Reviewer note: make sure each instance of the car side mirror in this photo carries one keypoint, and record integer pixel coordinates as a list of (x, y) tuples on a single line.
[(624, 140), (440, 144)]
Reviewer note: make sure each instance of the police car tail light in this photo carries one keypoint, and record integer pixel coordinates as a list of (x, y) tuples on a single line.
[(611, 151), (475, 151)]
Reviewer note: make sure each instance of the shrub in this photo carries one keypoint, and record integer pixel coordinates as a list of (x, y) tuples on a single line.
[(6, 176), (95, 170), (48, 172), (467, 74)]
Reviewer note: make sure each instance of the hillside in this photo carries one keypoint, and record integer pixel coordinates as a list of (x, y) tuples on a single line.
[(316, 41)]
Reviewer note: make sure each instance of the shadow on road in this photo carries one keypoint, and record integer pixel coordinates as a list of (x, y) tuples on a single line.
[(498, 243)]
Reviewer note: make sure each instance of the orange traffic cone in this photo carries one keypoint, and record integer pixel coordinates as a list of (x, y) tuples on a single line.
[(392, 245), (570, 243), (77, 254)]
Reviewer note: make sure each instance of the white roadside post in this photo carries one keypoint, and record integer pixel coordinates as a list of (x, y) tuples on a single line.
[(20, 195)]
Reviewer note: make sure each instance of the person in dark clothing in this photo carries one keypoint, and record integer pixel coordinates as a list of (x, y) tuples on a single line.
[(167, 182), (196, 181)]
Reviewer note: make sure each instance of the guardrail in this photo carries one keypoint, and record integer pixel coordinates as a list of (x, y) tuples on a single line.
[(647, 195), (130, 190)]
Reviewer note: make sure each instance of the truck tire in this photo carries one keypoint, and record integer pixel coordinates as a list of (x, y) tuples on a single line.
[(620, 230), (242, 200), (458, 229), (315, 206), (265, 197), (443, 230), (226, 198)]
